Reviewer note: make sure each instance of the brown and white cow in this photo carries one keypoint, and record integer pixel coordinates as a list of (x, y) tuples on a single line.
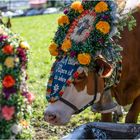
[(127, 92)]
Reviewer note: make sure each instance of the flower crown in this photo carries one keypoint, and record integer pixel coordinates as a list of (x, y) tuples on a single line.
[(84, 30)]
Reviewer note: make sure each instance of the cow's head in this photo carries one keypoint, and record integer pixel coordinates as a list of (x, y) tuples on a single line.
[(79, 44), (74, 84)]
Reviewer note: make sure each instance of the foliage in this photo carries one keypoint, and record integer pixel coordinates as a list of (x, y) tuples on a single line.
[(127, 21)]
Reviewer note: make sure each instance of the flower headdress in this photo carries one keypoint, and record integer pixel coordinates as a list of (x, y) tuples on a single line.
[(84, 30), (85, 34)]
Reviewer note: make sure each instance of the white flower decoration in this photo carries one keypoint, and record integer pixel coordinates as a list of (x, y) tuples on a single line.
[(16, 129)]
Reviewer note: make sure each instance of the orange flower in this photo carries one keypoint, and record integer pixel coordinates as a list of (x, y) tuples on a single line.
[(77, 6), (66, 45), (1, 31), (103, 27), (101, 7), (8, 81), (8, 49), (24, 123), (24, 45), (84, 58), (52, 100), (9, 62), (53, 49), (63, 20)]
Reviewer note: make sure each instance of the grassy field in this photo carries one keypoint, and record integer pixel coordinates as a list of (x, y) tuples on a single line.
[(39, 30)]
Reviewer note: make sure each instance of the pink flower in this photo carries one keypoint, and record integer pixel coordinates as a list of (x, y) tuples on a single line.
[(87, 34), (8, 112), (30, 97), (3, 37), (66, 11)]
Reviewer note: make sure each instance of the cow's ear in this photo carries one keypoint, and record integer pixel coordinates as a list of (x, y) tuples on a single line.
[(103, 68)]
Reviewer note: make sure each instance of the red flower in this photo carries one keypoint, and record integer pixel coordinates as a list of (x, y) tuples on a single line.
[(8, 49), (75, 75), (61, 93), (74, 23), (68, 82), (49, 90), (8, 112), (8, 81)]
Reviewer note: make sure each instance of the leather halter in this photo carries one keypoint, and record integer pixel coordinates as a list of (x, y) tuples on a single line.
[(77, 111)]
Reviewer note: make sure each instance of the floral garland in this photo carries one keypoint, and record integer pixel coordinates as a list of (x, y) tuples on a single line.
[(15, 99)]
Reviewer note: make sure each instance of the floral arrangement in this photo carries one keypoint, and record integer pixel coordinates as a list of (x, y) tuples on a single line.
[(86, 32), (15, 99)]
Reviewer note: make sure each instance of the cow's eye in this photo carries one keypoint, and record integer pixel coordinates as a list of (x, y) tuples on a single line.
[(80, 77)]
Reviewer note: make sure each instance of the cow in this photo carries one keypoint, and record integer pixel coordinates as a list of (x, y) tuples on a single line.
[(81, 92)]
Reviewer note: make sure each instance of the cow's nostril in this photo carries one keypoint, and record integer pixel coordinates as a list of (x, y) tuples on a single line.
[(50, 116)]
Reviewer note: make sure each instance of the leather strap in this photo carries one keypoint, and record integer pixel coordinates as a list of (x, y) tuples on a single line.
[(77, 111), (69, 104)]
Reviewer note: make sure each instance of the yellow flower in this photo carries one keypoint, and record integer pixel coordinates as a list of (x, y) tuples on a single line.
[(53, 49), (103, 27), (9, 62), (77, 6), (2, 32), (24, 45), (17, 60), (24, 123), (101, 7), (84, 58), (63, 20), (66, 45)]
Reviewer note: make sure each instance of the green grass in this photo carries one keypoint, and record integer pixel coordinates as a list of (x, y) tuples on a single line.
[(38, 31)]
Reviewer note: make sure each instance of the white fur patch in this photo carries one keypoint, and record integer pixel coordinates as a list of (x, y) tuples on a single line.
[(130, 5)]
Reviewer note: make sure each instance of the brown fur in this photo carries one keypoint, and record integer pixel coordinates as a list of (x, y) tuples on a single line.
[(128, 90), (89, 81)]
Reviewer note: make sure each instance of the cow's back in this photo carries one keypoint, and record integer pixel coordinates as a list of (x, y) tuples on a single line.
[(129, 87)]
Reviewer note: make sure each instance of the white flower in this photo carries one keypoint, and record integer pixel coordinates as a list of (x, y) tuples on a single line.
[(56, 88), (16, 129)]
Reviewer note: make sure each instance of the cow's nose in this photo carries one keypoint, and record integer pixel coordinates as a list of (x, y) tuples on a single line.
[(51, 117)]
